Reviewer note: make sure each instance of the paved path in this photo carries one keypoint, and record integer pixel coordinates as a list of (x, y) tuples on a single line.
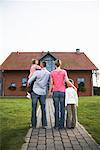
[(52, 139)]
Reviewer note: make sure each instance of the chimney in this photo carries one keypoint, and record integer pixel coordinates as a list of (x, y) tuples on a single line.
[(18, 52), (77, 50), (42, 52)]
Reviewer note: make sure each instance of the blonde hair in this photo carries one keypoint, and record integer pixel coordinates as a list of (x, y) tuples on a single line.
[(33, 61), (58, 62)]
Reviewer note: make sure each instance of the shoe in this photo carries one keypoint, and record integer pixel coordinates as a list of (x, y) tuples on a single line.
[(28, 96), (61, 127), (30, 125), (69, 127), (33, 127), (44, 127), (57, 128), (72, 127)]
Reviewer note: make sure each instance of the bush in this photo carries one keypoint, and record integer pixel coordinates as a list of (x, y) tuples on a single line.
[(96, 90)]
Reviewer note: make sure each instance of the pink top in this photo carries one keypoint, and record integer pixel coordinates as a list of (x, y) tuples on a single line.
[(58, 78), (33, 68)]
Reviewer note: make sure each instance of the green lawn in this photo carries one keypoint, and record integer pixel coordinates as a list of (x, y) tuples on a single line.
[(89, 115), (15, 118), (14, 122)]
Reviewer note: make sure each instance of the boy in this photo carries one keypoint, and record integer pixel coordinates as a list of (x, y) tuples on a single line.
[(71, 103)]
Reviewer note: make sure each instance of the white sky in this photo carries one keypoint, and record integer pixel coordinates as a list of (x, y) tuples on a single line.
[(50, 25)]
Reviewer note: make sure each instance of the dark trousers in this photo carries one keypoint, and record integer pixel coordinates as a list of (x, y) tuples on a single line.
[(59, 105), (42, 100)]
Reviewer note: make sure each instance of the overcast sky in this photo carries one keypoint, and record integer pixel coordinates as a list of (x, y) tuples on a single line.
[(50, 25)]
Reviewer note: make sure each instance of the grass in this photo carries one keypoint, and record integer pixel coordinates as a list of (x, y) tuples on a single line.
[(15, 116), (89, 115), (14, 122)]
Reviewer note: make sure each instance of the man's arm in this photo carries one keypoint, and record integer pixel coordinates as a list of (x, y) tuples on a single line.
[(33, 77)]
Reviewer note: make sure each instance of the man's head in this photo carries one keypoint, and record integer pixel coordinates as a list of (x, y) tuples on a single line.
[(43, 64)]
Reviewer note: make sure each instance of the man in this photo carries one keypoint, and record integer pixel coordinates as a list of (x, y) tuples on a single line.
[(41, 80)]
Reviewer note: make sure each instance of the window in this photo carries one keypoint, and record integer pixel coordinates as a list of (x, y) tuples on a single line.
[(12, 86), (49, 62), (50, 65), (24, 82), (81, 84)]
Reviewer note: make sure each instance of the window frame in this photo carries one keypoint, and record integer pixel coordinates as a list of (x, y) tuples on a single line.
[(81, 88), (24, 83), (50, 65), (12, 86)]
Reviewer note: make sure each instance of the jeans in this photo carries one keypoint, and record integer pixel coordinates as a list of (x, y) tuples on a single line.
[(42, 100), (59, 105)]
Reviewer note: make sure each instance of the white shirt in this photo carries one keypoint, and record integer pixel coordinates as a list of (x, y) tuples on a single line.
[(71, 96)]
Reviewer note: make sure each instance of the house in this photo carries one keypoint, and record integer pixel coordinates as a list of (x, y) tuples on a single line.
[(15, 70), (1, 81)]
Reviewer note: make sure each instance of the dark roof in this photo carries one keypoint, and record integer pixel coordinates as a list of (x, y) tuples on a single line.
[(70, 60)]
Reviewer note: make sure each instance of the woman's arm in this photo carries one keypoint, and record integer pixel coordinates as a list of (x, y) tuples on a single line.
[(51, 87), (68, 82)]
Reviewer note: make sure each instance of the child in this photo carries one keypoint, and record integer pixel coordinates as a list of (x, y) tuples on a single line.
[(71, 103), (35, 66)]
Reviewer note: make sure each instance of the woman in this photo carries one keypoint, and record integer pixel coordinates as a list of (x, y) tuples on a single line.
[(57, 85)]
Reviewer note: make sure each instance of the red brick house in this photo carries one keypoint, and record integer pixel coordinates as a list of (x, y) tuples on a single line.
[(15, 70)]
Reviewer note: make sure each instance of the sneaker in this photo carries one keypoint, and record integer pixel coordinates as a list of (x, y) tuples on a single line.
[(30, 125), (61, 127), (72, 127), (44, 127), (28, 96), (57, 128)]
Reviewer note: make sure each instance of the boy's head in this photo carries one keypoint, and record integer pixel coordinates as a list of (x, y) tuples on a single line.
[(70, 81)]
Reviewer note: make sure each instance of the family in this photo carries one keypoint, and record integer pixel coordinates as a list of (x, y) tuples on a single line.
[(57, 85)]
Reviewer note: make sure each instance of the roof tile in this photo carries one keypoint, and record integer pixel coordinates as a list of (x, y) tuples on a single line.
[(70, 60)]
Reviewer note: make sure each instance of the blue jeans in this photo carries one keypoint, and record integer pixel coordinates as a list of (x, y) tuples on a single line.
[(59, 105), (42, 100)]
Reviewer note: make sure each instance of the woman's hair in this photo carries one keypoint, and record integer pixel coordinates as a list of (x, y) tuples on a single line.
[(58, 62)]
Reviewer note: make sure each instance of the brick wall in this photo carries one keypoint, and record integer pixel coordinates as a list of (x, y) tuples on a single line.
[(1, 85), (88, 81), (15, 77)]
